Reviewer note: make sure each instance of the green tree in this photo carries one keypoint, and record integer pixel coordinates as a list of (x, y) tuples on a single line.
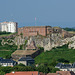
[(8, 56), (2, 73), (21, 64)]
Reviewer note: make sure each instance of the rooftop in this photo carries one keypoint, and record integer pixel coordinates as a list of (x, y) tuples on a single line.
[(24, 73), (60, 65), (34, 26), (6, 60), (62, 73), (24, 52), (26, 59)]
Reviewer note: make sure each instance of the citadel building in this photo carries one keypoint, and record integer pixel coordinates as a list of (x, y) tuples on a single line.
[(41, 30), (35, 30)]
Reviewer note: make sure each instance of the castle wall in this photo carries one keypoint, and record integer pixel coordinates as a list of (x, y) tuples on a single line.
[(34, 30)]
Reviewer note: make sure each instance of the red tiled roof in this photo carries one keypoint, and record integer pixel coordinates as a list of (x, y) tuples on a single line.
[(64, 72), (51, 74), (61, 73), (41, 73), (24, 73)]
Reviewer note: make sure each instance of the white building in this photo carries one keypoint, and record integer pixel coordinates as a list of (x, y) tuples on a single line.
[(9, 27)]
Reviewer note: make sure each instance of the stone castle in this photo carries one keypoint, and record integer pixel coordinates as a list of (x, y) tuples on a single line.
[(41, 30)]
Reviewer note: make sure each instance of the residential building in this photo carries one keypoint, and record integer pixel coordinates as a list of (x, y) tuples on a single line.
[(25, 73), (27, 61), (9, 27), (18, 54), (60, 65), (7, 62), (66, 67)]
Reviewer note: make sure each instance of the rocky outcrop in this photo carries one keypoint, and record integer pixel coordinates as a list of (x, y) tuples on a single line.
[(47, 42), (72, 43), (50, 41)]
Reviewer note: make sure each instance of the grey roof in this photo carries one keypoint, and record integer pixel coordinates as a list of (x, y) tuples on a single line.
[(7, 61), (26, 59), (1, 58), (66, 66), (60, 65)]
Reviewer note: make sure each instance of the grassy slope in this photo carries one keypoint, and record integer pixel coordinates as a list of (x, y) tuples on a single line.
[(4, 35), (4, 53), (55, 54)]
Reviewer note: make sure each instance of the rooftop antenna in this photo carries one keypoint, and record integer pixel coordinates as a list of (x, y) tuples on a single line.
[(35, 21), (12, 19)]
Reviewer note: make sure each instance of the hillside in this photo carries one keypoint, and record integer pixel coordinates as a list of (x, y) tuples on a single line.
[(69, 29), (7, 48), (59, 54)]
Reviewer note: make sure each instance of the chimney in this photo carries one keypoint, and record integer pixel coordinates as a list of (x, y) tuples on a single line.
[(13, 72)]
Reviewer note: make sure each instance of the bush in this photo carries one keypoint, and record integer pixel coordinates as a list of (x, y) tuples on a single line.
[(63, 60), (4, 32)]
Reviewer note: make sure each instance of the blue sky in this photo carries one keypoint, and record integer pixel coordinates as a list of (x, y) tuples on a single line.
[(47, 12)]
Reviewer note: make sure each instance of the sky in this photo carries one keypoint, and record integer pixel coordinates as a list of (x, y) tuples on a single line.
[(47, 12)]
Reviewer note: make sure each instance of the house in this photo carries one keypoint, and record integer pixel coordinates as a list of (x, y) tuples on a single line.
[(7, 62), (25, 73), (9, 26), (62, 73), (60, 65), (66, 67), (18, 54), (28, 61)]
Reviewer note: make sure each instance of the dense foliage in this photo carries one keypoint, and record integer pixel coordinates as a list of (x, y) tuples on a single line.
[(5, 54), (69, 29), (41, 68), (4, 32), (59, 54)]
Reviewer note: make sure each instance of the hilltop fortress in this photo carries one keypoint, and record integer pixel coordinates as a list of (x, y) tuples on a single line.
[(41, 30), (43, 36)]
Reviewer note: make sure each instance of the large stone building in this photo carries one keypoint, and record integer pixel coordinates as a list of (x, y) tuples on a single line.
[(35, 30), (9, 27), (41, 30)]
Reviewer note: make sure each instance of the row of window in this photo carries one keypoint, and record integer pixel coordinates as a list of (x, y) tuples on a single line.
[(31, 30), (6, 64)]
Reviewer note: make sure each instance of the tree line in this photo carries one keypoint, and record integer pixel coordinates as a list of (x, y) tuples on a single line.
[(4, 32), (41, 68)]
